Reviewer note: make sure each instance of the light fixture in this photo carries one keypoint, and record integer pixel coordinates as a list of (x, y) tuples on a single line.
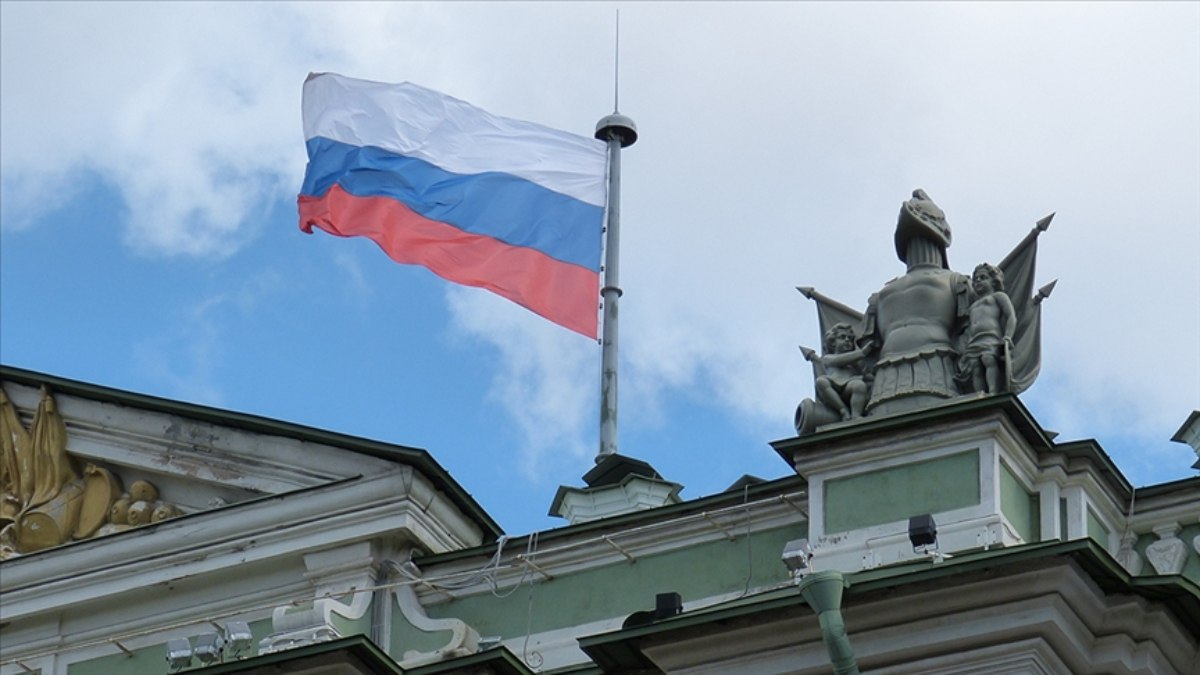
[(667, 605), (238, 638), (922, 532), (179, 653), (208, 648), (797, 555)]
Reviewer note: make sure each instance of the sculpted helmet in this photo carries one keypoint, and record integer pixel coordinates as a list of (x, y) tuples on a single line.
[(920, 217)]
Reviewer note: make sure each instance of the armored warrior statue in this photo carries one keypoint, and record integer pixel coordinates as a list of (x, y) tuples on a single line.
[(914, 318), (931, 334)]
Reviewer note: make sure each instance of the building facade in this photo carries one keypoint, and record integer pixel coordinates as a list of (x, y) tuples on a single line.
[(149, 536)]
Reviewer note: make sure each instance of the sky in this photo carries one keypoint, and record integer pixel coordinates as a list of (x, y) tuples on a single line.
[(151, 153)]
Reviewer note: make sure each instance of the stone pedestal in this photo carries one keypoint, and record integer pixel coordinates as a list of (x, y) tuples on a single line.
[(982, 468), (616, 485)]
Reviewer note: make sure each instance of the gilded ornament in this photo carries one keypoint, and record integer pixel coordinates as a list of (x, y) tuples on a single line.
[(101, 489), (45, 502)]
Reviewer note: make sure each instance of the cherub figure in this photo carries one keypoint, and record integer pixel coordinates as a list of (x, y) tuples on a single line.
[(841, 386), (988, 337)]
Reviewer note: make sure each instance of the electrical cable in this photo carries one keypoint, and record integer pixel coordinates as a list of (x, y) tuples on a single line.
[(532, 659), (749, 551)]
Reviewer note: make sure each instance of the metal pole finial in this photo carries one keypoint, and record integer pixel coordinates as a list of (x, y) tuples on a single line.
[(617, 66)]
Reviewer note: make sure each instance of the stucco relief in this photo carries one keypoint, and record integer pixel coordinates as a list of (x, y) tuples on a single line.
[(1168, 554), (1127, 556), (45, 500)]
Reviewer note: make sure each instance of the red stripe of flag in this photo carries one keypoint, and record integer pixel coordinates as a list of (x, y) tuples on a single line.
[(561, 292)]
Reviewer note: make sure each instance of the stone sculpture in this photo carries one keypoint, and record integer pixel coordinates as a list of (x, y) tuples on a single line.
[(931, 334), (992, 321), (841, 385), (913, 319)]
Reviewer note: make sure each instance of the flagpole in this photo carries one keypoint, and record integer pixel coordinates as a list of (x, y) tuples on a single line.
[(618, 131)]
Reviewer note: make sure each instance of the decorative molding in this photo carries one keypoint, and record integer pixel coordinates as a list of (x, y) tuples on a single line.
[(208, 542), (224, 459), (296, 627), (463, 638), (1168, 554), (1127, 556), (74, 469)]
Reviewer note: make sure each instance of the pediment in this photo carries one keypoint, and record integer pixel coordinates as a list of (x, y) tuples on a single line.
[(81, 462)]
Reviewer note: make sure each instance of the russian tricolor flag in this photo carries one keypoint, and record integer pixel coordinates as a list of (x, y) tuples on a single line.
[(510, 206)]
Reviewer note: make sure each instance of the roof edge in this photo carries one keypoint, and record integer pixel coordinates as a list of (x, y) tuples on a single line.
[(1016, 411), (1180, 593), (781, 485), (419, 458)]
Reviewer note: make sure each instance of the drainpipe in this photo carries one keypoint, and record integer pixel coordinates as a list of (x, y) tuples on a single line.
[(823, 592)]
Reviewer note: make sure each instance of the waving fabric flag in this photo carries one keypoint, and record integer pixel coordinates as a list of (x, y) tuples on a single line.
[(510, 206)]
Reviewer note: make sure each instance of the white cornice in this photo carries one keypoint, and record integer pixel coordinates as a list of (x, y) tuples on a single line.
[(398, 503)]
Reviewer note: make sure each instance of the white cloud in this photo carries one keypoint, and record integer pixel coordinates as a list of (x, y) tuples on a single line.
[(187, 356), (161, 102), (184, 359), (357, 290), (538, 383)]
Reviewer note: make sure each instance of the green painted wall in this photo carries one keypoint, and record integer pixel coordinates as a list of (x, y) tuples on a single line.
[(1096, 530), (623, 588), (1019, 507), (149, 661), (896, 493), (152, 660), (346, 627)]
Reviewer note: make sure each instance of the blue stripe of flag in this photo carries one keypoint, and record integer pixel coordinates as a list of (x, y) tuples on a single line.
[(498, 205)]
